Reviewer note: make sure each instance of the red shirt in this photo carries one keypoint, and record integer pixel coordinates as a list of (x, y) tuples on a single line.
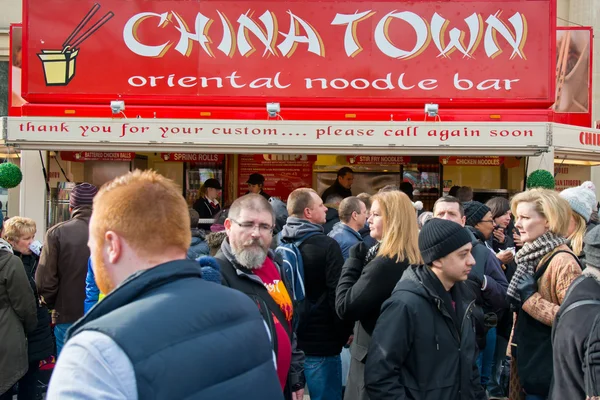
[(269, 274)]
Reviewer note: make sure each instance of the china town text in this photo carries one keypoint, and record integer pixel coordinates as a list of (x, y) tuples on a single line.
[(481, 30)]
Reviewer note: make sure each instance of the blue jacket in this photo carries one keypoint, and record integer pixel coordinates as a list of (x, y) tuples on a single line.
[(198, 248), (92, 293), (185, 337), (345, 236)]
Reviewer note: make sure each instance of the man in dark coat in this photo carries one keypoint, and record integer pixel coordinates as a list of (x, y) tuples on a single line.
[(248, 265), (342, 184), (162, 332), (423, 345), (321, 335), (60, 276), (575, 345)]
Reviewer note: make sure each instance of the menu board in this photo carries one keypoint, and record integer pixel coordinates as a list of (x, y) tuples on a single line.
[(567, 176), (283, 172)]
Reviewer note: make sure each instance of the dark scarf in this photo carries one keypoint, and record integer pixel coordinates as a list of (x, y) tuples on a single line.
[(530, 256)]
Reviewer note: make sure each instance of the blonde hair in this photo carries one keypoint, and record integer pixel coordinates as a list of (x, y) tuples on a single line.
[(146, 209), (17, 227), (400, 229), (549, 205), (576, 238)]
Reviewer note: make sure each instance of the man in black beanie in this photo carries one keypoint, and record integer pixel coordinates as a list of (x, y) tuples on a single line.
[(423, 346)]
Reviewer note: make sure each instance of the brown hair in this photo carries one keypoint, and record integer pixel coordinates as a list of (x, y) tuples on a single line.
[(465, 193), (450, 199), (146, 209), (298, 200), (400, 229), (348, 206), (365, 198)]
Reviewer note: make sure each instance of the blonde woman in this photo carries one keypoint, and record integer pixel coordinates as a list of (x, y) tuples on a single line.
[(580, 199), (20, 232), (545, 269), (369, 276)]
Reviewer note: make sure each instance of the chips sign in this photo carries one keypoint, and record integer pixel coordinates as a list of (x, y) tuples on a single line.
[(245, 52)]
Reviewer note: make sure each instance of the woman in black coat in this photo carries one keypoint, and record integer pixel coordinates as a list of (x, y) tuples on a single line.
[(369, 276), (19, 232)]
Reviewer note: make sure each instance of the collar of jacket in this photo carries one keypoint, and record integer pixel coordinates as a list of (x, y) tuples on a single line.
[(83, 212), (4, 245), (138, 284), (340, 226), (240, 269), (592, 272), (296, 228)]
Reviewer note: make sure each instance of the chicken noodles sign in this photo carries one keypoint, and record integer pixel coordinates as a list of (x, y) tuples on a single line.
[(339, 52)]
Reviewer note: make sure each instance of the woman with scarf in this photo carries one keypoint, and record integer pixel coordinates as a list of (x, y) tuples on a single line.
[(545, 269), (369, 276)]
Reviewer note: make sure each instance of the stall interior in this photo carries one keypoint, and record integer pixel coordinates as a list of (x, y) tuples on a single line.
[(429, 177)]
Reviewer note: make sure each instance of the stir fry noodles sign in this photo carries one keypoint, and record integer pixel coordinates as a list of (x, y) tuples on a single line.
[(332, 52)]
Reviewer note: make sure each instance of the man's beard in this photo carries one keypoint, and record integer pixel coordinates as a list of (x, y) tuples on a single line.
[(101, 276), (250, 254)]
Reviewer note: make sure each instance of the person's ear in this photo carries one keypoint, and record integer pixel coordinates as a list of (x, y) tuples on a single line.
[(114, 246)]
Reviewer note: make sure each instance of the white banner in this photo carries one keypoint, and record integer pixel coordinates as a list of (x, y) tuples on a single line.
[(245, 136)]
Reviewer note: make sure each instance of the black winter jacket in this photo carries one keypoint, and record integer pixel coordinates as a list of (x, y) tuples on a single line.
[(418, 350), (40, 341), (571, 340), (362, 291), (241, 279), (323, 333), (336, 189)]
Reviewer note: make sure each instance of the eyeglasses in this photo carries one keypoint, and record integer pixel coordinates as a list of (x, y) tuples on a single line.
[(250, 226), (488, 220)]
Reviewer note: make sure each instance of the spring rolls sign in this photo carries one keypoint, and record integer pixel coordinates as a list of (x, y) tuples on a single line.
[(326, 52)]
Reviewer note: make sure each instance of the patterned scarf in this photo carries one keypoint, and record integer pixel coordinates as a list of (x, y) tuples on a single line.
[(372, 253), (530, 256)]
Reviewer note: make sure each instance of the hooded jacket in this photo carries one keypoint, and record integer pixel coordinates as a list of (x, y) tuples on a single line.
[(332, 217), (345, 236), (62, 269), (17, 317), (322, 333), (571, 340), (40, 341), (418, 349)]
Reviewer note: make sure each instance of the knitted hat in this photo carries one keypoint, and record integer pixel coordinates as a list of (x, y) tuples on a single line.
[(590, 185), (591, 247), (580, 199), (440, 237), (475, 211), (82, 195), (210, 269)]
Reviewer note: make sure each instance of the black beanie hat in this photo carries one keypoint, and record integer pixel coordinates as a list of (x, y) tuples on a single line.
[(440, 237), (475, 211)]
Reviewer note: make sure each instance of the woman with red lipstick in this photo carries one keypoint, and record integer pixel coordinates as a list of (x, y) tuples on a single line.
[(545, 269)]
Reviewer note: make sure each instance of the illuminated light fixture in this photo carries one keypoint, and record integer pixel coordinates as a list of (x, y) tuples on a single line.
[(69, 111), (495, 116), (350, 115), (205, 113), (576, 162), (432, 109)]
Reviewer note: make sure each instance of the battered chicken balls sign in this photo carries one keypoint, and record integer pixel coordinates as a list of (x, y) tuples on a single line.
[(328, 52)]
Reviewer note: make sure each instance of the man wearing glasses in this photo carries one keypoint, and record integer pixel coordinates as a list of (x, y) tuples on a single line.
[(248, 265)]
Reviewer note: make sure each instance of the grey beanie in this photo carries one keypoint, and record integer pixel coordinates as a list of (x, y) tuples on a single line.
[(580, 199), (591, 247)]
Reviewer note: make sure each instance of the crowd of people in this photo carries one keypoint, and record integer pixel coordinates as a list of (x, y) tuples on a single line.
[(261, 299)]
